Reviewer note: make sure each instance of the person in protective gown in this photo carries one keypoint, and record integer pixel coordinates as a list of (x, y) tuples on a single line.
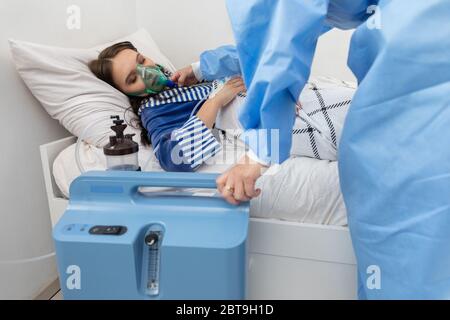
[(394, 154)]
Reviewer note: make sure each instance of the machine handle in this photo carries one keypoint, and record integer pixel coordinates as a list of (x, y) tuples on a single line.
[(124, 184)]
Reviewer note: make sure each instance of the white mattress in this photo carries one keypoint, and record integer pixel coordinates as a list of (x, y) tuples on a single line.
[(303, 190)]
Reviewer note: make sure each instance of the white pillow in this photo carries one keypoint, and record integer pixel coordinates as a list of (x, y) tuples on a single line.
[(62, 82)]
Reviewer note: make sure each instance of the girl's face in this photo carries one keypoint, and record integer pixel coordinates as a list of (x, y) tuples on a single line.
[(124, 70)]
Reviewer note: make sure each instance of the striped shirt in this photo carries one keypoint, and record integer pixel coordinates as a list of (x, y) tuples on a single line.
[(181, 141)]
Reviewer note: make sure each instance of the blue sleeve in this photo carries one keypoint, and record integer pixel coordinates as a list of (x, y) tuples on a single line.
[(276, 41), (187, 148), (219, 63)]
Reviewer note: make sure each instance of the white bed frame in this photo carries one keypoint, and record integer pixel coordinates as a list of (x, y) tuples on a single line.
[(287, 260)]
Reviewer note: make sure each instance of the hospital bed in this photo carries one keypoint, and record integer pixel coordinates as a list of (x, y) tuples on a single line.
[(287, 260)]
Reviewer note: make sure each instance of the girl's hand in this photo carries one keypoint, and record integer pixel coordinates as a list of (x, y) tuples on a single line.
[(184, 77), (230, 90)]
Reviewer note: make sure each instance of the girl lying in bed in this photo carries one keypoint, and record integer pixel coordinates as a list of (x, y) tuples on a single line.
[(178, 122)]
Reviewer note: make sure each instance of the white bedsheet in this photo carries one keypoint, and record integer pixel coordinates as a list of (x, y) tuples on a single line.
[(303, 190)]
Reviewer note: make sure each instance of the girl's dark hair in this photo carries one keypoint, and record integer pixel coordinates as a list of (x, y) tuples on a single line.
[(102, 68)]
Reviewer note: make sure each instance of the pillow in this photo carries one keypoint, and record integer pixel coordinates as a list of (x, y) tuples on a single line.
[(62, 82)]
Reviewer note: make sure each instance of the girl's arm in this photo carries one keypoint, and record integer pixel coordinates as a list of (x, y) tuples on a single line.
[(208, 112), (187, 148)]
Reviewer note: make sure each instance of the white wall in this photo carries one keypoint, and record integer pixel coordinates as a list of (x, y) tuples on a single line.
[(24, 219), (183, 33)]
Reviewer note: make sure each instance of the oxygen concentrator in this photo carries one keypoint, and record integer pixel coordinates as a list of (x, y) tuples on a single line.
[(116, 242)]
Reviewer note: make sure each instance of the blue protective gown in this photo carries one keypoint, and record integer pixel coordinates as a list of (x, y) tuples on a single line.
[(394, 156)]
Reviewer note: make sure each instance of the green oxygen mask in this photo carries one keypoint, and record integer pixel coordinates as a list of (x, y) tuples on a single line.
[(154, 79)]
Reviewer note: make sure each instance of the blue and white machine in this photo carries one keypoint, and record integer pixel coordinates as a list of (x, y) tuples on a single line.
[(114, 242)]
